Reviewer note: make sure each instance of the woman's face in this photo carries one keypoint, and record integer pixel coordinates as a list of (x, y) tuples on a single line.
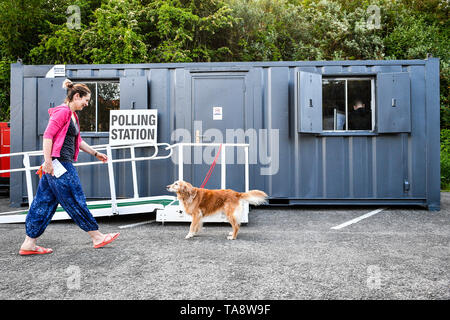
[(80, 103)]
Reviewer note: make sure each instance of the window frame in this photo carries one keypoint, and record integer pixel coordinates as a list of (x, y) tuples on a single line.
[(372, 79), (96, 81)]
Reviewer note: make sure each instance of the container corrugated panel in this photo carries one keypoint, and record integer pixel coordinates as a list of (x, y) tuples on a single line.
[(262, 99)]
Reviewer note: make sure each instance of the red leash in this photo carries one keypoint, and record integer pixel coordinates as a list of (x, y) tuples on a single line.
[(211, 169)]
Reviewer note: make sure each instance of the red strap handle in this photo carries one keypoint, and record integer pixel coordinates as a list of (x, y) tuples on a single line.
[(211, 168)]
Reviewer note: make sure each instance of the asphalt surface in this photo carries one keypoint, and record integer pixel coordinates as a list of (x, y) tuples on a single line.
[(282, 253)]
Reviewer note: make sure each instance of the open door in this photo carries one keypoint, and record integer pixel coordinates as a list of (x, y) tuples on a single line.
[(309, 102), (393, 102)]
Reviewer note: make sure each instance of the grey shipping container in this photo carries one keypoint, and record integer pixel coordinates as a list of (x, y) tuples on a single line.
[(308, 146)]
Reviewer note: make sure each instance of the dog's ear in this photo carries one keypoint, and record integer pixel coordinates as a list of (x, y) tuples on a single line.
[(182, 187)]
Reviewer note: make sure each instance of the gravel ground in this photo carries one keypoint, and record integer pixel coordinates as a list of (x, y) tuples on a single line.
[(282, 253)]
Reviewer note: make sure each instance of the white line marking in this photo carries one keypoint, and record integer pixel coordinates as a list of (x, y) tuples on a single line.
[(135, 224), (12, 212), (345, 224)]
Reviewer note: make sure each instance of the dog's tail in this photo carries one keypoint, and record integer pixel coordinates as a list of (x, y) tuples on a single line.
[(254, 197)]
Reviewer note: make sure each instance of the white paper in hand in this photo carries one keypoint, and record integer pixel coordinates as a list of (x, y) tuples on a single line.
[(58, 168)]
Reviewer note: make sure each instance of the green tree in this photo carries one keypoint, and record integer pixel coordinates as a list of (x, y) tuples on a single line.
[(36, 32), (4, 89), (61, 47), (115, 36), (188, 31), (302, 30), (108, 34), (415, 31)]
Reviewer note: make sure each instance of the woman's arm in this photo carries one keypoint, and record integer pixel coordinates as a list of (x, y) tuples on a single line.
[(47, 148), (87, 148)]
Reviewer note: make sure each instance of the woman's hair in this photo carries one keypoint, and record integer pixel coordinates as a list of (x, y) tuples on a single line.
[(73, 89)]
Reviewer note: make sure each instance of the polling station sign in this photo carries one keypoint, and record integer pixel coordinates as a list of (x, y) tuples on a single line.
[(132, 126)]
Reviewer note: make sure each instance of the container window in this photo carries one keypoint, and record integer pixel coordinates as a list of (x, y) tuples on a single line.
[(348, 104), (334, 111), (105, 96)]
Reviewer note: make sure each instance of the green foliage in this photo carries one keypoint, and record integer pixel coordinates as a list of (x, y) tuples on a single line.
[(128, 31), (114, 36), (111, 35), (413, 37), (23, 21), (20, 22), (317, 30), (415, 28), (61, 47), (445, 94), (188, 32), (4, 89), (445, 159), (131, 32)]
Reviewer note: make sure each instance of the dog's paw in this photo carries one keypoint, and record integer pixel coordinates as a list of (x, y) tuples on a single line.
[(189, 235), (230, 237)]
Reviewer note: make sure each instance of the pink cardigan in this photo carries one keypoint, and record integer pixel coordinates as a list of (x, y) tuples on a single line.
[(57, 128)]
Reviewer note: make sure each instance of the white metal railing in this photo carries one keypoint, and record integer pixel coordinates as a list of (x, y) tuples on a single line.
[(28, 168), (223, 157)]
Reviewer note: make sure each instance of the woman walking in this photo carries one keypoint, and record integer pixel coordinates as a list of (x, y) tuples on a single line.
[(62, 141)]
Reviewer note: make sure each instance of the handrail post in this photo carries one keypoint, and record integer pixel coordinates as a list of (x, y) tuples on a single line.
[(112, 185), (223, 178), (26, 163), (133, 169), (247, 182), (180, 162)]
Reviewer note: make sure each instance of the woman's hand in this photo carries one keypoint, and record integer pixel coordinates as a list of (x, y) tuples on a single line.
[(88, 149), (48, 167), (102, 157)]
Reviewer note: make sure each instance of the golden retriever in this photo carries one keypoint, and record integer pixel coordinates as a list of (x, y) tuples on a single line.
[(200, 203)]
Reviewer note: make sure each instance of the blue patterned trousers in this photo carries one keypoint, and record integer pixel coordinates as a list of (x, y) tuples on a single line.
[(65, 190)]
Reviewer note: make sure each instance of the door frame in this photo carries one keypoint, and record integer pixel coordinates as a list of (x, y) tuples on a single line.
[(250, 78)]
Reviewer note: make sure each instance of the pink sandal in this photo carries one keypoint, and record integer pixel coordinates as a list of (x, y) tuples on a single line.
[(38, 250), (108, 239)]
